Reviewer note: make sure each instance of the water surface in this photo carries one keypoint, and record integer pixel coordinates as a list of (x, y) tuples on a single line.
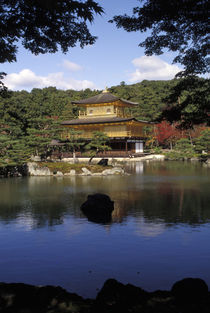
[(160, 230)]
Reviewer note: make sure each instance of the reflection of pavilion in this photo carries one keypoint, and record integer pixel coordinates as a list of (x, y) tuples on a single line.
[(124, 203)]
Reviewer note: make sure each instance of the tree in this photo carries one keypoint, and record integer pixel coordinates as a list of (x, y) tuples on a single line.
[(177, 25), (26, 127), (202, 143), (168, 134), (184, 146), (3, 89), (41, 131), (193, 102), (181, 26), (74, 142), (44, 26), (97, 144), (188, 103)]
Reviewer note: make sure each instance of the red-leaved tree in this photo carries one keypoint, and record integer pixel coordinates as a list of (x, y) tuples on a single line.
[(167, 134)]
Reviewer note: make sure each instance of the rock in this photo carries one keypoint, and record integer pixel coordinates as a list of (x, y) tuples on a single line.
[(18, 298), (114, 297), (97, 174), (121, 297), (98, 208), (113, 171), (72, 173), (36, 158), (86, 171), (103, 162), (190, 290), (194, 159), (59, 173), (35, 170), (208, 162)]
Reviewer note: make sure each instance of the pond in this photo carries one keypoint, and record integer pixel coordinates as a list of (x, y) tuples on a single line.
[(160, 229)]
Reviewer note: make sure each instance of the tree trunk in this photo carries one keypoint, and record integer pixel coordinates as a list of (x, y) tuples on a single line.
[(91, 158), (190, 137), (74, 157)]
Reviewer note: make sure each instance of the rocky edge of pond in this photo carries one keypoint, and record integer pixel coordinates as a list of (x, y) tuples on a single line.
[(35, 170), (189, 295)]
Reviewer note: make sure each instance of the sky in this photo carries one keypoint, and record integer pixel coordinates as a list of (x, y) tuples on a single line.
[(115, 57)]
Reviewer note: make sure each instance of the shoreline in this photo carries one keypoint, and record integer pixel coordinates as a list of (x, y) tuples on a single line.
[(187, 295), (115, 166)]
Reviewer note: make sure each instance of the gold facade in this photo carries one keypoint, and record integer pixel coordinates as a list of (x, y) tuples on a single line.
[(112, 118), (112, 130), (104, 110)]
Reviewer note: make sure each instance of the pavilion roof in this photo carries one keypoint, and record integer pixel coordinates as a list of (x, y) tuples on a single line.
[(104, 97), (101, 120)]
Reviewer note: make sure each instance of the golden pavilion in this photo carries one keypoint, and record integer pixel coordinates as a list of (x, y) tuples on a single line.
[(110, 115)]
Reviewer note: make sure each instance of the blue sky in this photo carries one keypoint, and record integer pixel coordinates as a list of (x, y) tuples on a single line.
[(115, 57)]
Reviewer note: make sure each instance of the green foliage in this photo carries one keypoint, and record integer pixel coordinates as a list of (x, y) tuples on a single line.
[(182, 150), (30, 120), (97, 144), (44, 26), (202, 143), (3, 89), (13, 152), (178, 26), (181, 27), (188, 102), (40, 133), (75, 141), (157, 150), (27, 126), (184, 145), (149, 96)]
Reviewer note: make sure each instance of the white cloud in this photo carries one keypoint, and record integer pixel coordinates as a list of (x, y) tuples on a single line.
[(152, 67), (26, 79), (71, 66)]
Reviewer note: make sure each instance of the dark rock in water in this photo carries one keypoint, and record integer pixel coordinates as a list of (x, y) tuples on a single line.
[(98, 208), (103, 162)]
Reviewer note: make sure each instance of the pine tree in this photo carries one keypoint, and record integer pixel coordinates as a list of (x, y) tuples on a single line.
[(97, 144)]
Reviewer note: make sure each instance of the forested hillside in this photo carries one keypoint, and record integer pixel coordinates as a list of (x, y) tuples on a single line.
[(30, 120), (149, 95)]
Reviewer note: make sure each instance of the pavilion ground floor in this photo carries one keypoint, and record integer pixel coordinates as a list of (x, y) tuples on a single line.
[(120, 147)]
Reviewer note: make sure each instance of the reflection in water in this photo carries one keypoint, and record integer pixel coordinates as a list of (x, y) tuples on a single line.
[(159, 192), (160, 227), (149, 229)]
